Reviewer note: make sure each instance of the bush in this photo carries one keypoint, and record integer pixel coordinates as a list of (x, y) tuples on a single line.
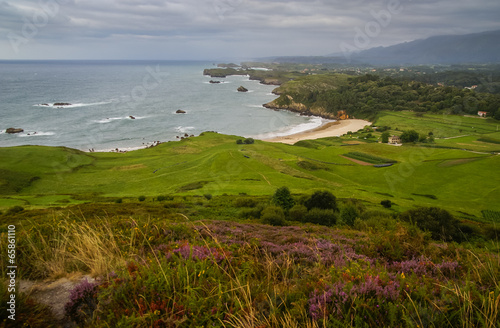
[(118, 201), (297, 213), (249, 141), (440, 223), (253, 212), (283, 198), (273, 215), (386, 203), (348, 215), (323, 200), (14, 210), (208, 196), (239, 142), (321, 216), (245, 202), (164, 198), (142, 198)]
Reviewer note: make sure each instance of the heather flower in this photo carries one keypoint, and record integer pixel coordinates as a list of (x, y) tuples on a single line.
[(82, 302)]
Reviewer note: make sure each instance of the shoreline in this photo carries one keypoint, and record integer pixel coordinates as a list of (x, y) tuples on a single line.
[(328, 129)]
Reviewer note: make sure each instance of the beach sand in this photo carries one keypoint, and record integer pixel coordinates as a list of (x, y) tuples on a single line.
[(330, 129)]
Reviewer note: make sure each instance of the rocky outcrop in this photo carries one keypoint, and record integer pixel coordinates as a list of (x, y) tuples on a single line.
[(180, 111), (62, 104), (288, 103), (13, 130), (132, 117), (242, 89), (214, 82)]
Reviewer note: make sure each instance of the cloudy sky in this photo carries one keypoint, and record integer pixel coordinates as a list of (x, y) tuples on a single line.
[(224, 29)]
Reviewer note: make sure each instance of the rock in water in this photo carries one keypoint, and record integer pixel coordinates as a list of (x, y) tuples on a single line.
[(180, 111), (132, 117), (242, 89), (13, 130), (212, 81), (62, 104)]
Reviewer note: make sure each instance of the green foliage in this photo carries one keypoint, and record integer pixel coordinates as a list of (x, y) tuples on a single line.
[(239, 142), (386, 203), (283, 198), (245, 202), (163, 198), (320, 216), (440, 223), (348, 215), (118, 200), (14, 210), (208, 196), (297, 212), (322, 199), (141, 198), (409, 136), (249, 141), (273, 215), (385, 137)]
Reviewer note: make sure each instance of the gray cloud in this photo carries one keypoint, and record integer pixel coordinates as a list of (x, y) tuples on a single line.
[(195, 29)]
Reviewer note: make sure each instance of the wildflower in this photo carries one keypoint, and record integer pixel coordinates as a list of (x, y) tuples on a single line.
[(403, 275)]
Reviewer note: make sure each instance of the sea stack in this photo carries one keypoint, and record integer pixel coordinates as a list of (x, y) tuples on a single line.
[(13, 130), (242, 89), (180, 111)]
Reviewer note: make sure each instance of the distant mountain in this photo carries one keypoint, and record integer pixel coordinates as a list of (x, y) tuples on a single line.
[(481, 47)]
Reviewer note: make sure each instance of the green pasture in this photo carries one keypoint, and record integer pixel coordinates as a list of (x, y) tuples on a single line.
[(441, 125), (214, 164)]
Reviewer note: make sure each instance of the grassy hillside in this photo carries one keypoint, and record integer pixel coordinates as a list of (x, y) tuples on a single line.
[(214, 164)]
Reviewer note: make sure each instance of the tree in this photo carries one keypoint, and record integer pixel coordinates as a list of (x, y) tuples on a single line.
[(385, 137), (348, 215), (409, 136), (283, 198), (273, 215), (323, 200)]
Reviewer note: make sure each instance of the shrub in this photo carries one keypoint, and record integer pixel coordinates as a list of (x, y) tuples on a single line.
[(386, 203), (208, 196), (239, 142), (323, 200), (385, 137), (321, 216), (283, 198), (164, 198), (14, 210), (119, 201), (249, 141), (440, 223), (273, 215), (245, 202), (253, 212), (348, 215), (297, 213), (142, 198), (82, 302)]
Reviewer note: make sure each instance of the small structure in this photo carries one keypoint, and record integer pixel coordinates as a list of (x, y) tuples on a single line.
[(342, 115), (482, 114), (394, 140)]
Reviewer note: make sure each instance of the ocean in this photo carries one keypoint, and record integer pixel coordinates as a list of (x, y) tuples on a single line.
[(126, 105)]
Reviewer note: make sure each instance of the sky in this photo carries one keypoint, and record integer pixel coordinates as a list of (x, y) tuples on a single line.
[(227, 29)]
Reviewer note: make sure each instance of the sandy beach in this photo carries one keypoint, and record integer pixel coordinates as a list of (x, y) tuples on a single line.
[(330, 129)]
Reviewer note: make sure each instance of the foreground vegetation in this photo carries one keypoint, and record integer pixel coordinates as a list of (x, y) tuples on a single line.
[(163, 264)]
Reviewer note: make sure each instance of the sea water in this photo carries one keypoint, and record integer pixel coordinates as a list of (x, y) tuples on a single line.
[(126, 105)]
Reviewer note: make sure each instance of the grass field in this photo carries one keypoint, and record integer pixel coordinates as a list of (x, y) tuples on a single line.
[(214, 164)]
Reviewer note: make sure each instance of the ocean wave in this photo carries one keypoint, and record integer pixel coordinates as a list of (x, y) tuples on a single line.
[(184, 129), (35, 134), (71, 105), (313, 123), (111, 119)]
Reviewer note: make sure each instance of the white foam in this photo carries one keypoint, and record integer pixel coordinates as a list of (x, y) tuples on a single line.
[(314, 122), (184, 129), (36, 134), (77, 105)]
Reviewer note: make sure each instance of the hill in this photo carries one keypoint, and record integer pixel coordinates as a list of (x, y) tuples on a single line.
[(447, 49)]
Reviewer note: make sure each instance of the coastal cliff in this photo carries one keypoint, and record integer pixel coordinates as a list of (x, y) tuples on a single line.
[(287, 102)]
